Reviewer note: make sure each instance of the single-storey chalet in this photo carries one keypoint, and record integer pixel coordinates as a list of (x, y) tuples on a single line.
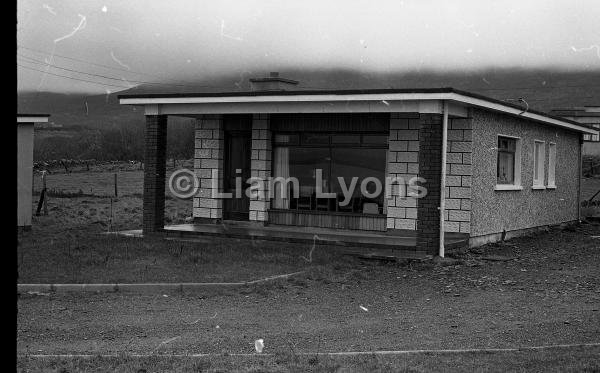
[(425, 162)]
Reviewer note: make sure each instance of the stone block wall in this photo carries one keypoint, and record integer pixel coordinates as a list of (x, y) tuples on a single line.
[(208, 160), (260, 166), (403, 162), (458, 176)]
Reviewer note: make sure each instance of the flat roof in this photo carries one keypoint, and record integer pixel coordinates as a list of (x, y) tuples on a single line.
[(32, 115), (445, 93)]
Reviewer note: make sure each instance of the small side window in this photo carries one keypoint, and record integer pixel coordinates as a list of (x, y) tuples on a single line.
[(551, 165), (506, 160), (538, 163), (508, 172)]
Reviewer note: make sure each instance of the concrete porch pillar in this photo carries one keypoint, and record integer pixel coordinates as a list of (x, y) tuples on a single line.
[(430, 169), (155, 153), (208, 163), (261, 166)]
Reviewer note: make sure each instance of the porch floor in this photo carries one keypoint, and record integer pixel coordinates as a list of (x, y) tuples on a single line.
[(361, 241)]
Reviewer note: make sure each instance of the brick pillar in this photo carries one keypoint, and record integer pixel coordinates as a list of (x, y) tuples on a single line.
[(261, 166), (430, 169), (155, 154)]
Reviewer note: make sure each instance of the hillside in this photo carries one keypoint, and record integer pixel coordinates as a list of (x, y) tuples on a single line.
[(542, 89), (96, 126)]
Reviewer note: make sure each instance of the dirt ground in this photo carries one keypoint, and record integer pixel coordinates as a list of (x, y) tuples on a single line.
[(530, 291)]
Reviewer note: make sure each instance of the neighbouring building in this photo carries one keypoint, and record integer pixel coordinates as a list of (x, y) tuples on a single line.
[(589, 115), (25, 124), (491, 169)]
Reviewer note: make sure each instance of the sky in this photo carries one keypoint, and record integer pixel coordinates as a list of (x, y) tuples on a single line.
[(109, 45)]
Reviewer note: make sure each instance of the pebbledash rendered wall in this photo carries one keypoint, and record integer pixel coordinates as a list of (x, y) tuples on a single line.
[(495, 211)]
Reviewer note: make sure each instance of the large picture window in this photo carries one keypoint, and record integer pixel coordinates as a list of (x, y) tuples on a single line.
[(339, 156)]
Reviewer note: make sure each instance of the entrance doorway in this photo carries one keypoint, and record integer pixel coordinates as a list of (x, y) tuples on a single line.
[(236, 167)]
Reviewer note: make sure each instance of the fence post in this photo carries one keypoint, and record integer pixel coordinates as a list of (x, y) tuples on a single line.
[(45, 192), (43, 198), (116, 193)]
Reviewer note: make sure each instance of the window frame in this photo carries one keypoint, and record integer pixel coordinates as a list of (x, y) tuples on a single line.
[(330, 143), (333, 145), (516, 185), (551, 184), (540, 182)]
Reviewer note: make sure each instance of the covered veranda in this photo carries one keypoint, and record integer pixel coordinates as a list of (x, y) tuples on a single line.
[(423, 114)]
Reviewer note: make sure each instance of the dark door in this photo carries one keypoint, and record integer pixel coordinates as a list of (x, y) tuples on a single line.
[(236, 165)]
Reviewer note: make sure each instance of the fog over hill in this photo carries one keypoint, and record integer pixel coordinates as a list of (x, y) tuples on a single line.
[(542, 89), (96, 126)]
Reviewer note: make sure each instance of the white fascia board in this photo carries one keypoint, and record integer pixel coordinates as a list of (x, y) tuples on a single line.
[(28, 119), (383, 104), (285, 98), (518, 112), (429, 106)]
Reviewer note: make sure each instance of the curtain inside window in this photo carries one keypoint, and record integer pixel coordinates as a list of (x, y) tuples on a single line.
[(282, 169), (506, 172)]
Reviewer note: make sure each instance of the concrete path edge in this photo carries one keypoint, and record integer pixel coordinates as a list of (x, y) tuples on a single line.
[(144, 287)]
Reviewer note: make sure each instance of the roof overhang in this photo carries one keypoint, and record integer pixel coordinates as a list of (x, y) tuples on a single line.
[(32, 118), (414, 101)]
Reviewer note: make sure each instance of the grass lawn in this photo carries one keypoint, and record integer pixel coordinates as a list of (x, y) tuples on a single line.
[(70, 245)]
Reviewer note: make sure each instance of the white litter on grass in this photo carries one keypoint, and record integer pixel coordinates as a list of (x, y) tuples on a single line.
[(259, 345), (165, 295), (364, 308)]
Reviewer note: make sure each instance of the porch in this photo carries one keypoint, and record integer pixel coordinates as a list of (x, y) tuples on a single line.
[(372, 140), (398, 243)]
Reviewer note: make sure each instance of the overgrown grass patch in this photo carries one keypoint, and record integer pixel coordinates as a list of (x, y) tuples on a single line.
[(77, 257)]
